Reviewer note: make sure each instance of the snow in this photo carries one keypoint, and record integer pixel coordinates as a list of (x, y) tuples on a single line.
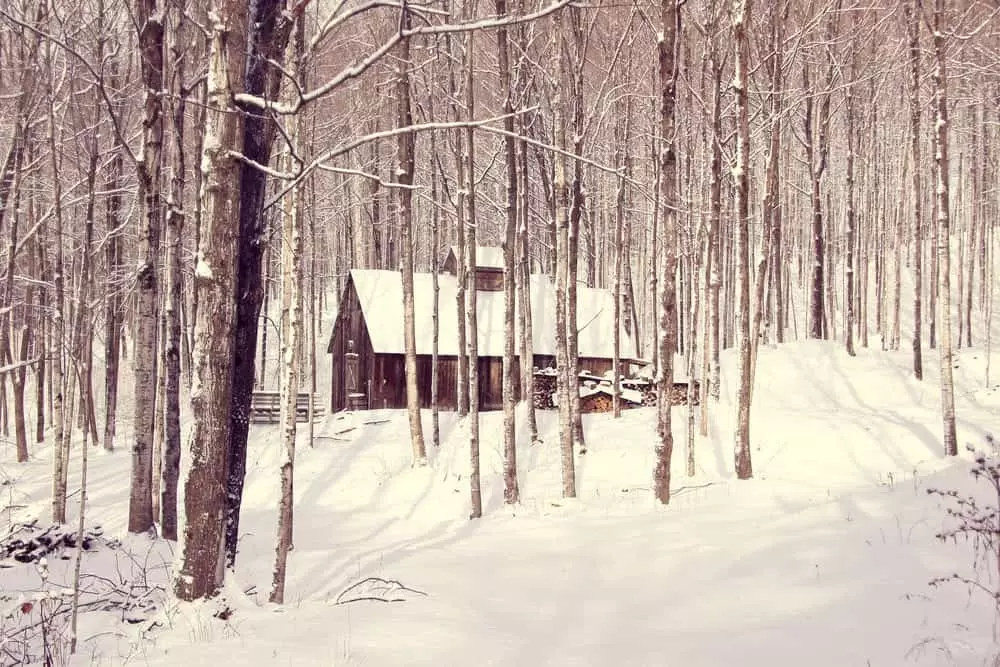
[(202, 268), (381, 296), (823, 559)]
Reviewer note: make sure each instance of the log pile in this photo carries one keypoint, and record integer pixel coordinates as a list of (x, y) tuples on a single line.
[(545, 389)]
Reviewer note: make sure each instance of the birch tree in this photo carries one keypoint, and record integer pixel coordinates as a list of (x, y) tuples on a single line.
[(291, 332), (405, 146), (943, 222)]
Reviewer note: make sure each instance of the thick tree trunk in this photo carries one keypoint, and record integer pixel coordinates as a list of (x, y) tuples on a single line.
[(201, 559), (268, 28)]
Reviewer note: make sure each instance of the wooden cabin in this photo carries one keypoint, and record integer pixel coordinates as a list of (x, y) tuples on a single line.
[(367, 350)]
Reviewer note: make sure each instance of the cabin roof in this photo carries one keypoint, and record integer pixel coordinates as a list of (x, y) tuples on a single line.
[(487, 257), (380, 294)]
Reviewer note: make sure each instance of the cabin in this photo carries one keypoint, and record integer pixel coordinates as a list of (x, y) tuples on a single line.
[(366, 344)]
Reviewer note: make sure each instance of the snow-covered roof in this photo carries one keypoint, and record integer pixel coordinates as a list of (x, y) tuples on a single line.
[(487, 257), (381, 296)]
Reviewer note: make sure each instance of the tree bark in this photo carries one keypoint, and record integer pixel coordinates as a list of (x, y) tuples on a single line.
[(268, 28), (944, 235), (670, 21), (291, 333), (201, 558), (911, 13), (511, 494), (405, 146), (741, 18), (150, 22), (172, 299)]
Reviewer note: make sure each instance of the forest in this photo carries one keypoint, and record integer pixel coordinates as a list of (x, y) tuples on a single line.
[(187, 187)]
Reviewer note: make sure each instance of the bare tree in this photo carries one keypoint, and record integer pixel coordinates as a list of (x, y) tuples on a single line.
[(912, 17), (291, 332), (201, 562), (511, 491), (670, 21), (741, 17), (943, 223), (405, 146), (150, 20)]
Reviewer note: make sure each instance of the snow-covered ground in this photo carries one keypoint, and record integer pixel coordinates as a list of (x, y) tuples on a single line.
[(824, 558)]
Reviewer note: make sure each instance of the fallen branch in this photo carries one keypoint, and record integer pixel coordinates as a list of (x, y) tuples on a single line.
[(376, 589)]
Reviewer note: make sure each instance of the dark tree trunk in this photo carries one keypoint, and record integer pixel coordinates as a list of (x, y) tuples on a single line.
[(269, 31)]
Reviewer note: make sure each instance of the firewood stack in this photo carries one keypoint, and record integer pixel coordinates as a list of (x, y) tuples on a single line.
[(545, 389)]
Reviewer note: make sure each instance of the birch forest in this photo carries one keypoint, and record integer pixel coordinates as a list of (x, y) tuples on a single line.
[(186, 185)]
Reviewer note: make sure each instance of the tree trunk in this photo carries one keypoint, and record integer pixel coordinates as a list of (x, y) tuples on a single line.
[(405, 145), (943, 224), (911, 12), (172, 299), (200, 562), (851, 215), (150, 22), (472, 325), (741, 18), (511, 494), (112, 295), (60, 456), (524, 293), (268, 27), (291, 332), (670, 22), (565, 383)]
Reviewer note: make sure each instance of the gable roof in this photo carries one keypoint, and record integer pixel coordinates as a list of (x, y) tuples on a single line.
[(380, 294), (487, 257)]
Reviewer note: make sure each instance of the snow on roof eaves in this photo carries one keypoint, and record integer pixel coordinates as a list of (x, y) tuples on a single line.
[(381, 295)]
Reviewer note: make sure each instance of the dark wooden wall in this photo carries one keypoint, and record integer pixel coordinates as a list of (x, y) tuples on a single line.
[(489, 280), (350, 325)]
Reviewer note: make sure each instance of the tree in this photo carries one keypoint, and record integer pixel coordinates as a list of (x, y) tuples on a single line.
[(200, 563), (943, 223), (268, 27), (150, 20), (511, 493), (565, 382), (291, 332), (172, 298), (405, 146), (740, 18), (912, 18), (670, 21)]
